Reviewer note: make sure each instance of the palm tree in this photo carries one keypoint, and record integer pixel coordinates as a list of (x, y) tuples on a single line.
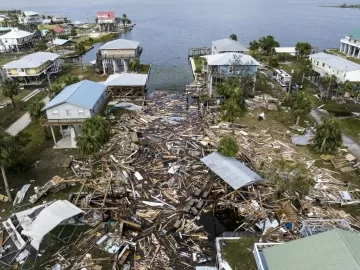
[(230, 111), (9, 152), (35, 110), (328, 136), (52, 35), (80, 51), (135, 64), (233, 37), (40, 46), (304, 66), (71, 79), (95, 132), (124, 20), (56, 89), (128, 21), (228, 146), (300, 105), (10, 89), (347, 87), (254, 46)]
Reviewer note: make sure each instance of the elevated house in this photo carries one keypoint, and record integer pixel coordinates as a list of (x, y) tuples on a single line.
[(115, 55), (106, 21), (228, 65), (350, 45), (4, 30), (59, 19), (328, 64), (59, 31), (72, 106), (30, 17), (127, 85), (227, 45), (16, 40), (34, 68)]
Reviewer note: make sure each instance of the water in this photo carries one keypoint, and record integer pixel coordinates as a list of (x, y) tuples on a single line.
[(168, 28)]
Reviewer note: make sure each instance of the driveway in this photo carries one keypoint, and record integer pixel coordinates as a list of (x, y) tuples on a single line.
[(22, 122), (350, 143)]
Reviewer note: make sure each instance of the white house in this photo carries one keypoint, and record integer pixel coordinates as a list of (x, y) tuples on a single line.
[(16, 40), (33, 69), (350, 45), (117, 53), (74, 104), (228, 65), (228, 45), (59, 19), (30, 17), (328, 64)]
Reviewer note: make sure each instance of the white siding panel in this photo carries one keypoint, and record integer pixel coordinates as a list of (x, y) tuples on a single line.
[(63, 110)]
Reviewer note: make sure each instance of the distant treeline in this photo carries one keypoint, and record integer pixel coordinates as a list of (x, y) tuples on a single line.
[(10, 11), (349, 6)]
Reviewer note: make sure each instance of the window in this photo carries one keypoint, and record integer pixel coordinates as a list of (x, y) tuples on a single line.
[(55, 112), (68, 112), (231, 69), (81, 112)]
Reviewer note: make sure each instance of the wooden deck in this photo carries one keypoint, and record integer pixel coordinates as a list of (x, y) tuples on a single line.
[(201, 51)]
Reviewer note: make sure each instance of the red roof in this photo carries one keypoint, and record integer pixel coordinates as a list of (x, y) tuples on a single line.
[(106, 15), (59, 29)]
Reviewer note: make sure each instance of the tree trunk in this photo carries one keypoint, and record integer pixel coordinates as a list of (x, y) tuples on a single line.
[(12, 102), (303, 77), (6, 183), (297, 120), (323, 143), (81, 61), (233, 128)]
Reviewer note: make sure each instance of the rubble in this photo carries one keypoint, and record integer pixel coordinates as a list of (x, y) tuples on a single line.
[(149, 192)]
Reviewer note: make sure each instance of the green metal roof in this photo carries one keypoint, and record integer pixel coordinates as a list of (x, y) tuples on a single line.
[(332, 250), (355, 34)]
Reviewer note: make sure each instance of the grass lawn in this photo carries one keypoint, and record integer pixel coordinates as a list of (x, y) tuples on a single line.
[(351, 126), (86, 73), (9, 115), (238, 253), (198, 61)]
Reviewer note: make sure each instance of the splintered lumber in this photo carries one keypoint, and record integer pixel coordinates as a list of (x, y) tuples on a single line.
[(131, 225)]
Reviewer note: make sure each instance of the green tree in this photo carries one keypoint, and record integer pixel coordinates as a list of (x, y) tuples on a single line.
[(289, 178), (328, 136), (233, 37), (10, 89), (40, 46), (135, 65), (35, 110), (329, 82), (124, 19), (347, 87), (95, 133), (128, 22), (73, 32), (56, 89), (254, 46), (71, 79), (80, 50), (51, 35), (228, 146), (303, 49), (300, 105), (230, 111), (230, 88), (10, 150), (274, 62), (303, 66), (268, 44)]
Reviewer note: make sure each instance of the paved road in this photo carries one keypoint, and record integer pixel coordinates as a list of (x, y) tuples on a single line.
[(22, 122), (351, 144)]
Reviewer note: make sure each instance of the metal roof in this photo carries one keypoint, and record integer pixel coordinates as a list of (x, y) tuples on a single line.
[(232, 171), (84, 94), (335, 61), (120, 44), (127, 79), (226, 59), (332, 250), (32, 60), (229, 45), (60, 42), (16, 33), (285, 49), (30, 13)]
